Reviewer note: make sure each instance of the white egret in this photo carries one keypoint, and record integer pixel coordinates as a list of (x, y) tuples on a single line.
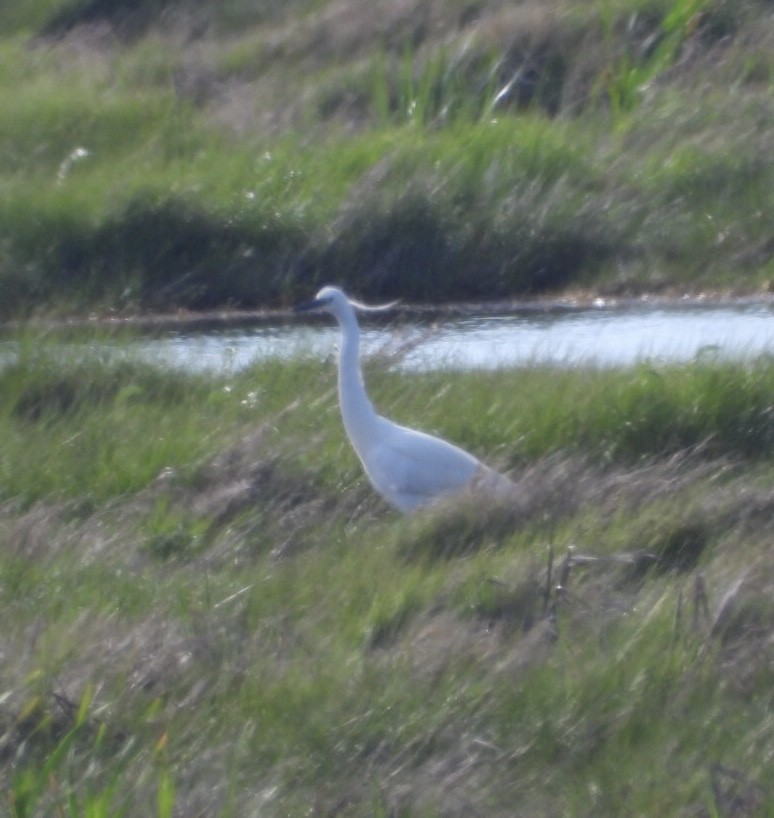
[(407, 467)]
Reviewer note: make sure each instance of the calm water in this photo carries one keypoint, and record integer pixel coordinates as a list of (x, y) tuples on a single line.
[(603, 336)]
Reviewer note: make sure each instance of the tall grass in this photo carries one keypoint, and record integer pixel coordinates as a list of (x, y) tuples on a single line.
[(717, 407), (50, 409), (241, 625), (49, 787), (441, 90), (87, 418), (240, 171), (630, 74), (206, 610)]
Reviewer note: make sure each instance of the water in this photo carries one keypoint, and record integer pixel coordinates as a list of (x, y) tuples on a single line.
[(606, 336), (601, 336)]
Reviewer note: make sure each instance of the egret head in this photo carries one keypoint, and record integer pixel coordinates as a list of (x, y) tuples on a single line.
[(328, 299), (336, 302)]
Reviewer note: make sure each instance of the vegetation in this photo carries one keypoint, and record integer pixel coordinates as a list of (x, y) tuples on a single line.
[(171, 153), (207, 611)]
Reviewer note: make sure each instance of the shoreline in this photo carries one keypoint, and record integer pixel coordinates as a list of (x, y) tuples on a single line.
[(239, 318)]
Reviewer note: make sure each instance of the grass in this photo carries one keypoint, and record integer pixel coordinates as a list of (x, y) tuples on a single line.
[(208, 611), (197, 156)]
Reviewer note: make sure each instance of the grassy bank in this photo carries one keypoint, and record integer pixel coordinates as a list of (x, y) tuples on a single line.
[(208, 612), (175, 154)]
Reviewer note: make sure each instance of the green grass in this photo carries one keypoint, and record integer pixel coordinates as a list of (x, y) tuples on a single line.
[(207, 606), (238, 155), (206, 610)]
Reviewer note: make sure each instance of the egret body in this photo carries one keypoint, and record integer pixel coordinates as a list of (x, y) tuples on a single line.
[(407, 467)]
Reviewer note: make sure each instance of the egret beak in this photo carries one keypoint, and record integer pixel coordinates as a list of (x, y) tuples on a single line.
[(314, 304)]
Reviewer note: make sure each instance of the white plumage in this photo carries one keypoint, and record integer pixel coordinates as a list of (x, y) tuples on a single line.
[(408, 468)]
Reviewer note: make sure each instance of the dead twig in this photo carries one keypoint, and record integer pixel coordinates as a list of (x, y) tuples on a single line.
[(548, 591), (700, 602)]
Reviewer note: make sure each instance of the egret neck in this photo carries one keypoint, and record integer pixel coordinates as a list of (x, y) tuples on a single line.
[(357, 411)]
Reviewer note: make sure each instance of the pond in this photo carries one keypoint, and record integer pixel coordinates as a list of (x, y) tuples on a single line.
[(599, 335)]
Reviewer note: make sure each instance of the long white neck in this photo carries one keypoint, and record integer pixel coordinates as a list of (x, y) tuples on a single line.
[(357, 412)]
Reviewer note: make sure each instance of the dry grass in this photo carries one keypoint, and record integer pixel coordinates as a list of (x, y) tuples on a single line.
[(483, 629)]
